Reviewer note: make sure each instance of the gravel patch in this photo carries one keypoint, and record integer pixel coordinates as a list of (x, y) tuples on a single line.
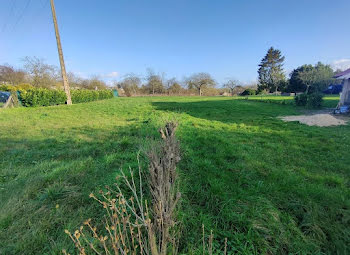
[(320, 119)]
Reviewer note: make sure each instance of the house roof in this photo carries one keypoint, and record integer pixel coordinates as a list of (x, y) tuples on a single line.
[(343, 75)]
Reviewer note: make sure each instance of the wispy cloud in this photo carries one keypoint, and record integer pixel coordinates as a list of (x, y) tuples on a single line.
[(341, 64), (112, 74)]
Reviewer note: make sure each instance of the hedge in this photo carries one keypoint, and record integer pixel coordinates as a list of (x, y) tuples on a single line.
[(42, 97), (46, 97), (84, 95)]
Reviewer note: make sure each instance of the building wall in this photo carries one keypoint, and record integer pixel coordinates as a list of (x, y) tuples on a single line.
[(345, 95)]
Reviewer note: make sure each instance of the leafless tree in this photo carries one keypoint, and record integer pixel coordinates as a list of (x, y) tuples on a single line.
[(173, 86), (154, 82), (200, 81), (42, 74), (231, 84), (130, 84), (8, 74)]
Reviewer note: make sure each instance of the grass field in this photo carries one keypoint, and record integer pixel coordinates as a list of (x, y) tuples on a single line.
[(330, 101), (269, 186)]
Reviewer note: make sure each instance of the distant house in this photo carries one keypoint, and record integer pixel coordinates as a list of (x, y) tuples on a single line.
[(345, 95)]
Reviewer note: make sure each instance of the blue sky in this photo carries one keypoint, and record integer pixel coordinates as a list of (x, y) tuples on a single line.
[(111, 38)]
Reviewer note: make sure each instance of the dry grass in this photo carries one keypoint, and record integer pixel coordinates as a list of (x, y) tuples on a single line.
[(130, 226)]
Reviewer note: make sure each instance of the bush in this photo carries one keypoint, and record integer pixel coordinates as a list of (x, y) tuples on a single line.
[(314, 100), (301, 100), (19, 87), (248, 92), (24, 86), (8, 88), (42, 97), (84, 95)]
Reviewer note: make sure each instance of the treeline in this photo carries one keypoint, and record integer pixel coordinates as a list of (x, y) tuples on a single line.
[(272, 78), (38, 74), (40, 84), (304, 79), (197, 84)]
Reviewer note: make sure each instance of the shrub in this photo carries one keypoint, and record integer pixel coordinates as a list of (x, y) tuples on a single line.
[(248, 92), (24, 86), (19, 87), (300, 100), (84, 95), (314, 100), (8, 88), (42, 97)]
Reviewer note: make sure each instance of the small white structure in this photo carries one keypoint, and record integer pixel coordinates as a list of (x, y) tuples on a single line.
[(345, 94)]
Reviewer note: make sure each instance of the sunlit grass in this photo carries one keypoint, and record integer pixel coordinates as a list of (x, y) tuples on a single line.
[(269, 186), (329, 101)]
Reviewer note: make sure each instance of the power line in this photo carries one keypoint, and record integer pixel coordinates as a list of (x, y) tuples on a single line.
[(22, 14), (9, 16), (39, 12)]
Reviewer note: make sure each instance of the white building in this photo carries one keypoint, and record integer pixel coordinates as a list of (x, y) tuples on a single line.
[(345, 95)]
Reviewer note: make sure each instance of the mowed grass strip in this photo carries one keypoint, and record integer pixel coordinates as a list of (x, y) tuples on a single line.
[(269, 186)]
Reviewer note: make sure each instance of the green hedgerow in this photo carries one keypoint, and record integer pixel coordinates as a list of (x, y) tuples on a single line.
[(84, 95), (47, 97), (42, 97)]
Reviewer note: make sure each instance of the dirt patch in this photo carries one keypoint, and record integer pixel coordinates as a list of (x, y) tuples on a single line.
[(318, 119)]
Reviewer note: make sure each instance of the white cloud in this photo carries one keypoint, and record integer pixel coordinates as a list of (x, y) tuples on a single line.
[(112, 74), (341, 64)]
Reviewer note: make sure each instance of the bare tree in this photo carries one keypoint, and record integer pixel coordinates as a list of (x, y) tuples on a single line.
[(154, 82), (231, 85), (130, 84), (173, 86), (42, 74), (8, 74), (74, 80), (200, 81)]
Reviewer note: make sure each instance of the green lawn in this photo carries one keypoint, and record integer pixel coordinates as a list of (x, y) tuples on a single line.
[(269, 186), (329, 101)]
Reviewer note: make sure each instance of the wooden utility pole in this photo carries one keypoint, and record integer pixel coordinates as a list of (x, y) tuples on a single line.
[(60, 54)]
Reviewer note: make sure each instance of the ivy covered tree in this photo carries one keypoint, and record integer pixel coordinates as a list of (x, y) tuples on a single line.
[(271, 74)]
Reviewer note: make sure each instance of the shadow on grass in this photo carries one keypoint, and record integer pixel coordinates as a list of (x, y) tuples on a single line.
[(45, 183), (271, 187), (227, 111)]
